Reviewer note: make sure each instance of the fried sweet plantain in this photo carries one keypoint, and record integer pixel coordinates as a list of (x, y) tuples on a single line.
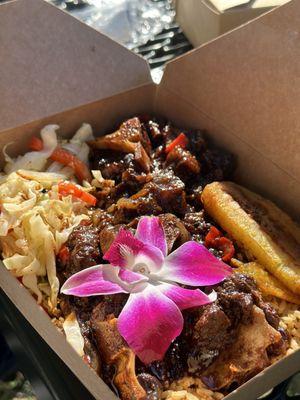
[(267, 283), (264, 231)]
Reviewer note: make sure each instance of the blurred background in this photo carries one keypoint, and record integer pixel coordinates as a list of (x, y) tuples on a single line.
[(147, 27), (158, 30)]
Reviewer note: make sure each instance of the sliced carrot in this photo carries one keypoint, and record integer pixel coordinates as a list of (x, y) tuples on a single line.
[(88, 198), (35, 144), (68, 188), (181, 141), (66, 158)]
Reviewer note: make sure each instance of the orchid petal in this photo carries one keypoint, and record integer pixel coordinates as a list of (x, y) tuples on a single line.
[(127, 251), (150, 231), (130, 281), (150, 256), (185, 298), (192, 264), (123, 249), (101, 279), (149, 322), (127, 275)]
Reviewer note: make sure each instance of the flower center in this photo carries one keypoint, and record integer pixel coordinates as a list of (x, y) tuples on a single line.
[(141, 268)]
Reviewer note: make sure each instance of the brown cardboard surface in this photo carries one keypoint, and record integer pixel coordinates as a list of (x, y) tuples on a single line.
[(227, 87), (204, 20), (237, 17), (266, 379), (199, 20), (222, 5), (268, 3), (51, 62), (247, 82)]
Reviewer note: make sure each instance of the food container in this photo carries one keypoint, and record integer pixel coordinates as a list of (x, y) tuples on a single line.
[(203, 20), (242, 88)]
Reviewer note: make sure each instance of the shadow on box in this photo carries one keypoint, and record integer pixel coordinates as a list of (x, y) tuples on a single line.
[(49, 376)]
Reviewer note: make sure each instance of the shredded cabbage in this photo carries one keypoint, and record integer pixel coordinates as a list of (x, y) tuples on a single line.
[(83, 134), (34, 224), (30, 281), (100, 182), (73, 333), (35, 221), (46, 179), (35, 160)]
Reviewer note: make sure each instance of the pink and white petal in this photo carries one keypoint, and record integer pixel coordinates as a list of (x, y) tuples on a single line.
[(91, 282), (149, 323), (123, 249), (192, 264), (184, 298), (150, 231), (129, 276), (151, 256), (130, 281)]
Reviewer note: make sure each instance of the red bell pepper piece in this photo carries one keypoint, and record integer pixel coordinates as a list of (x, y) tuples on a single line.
[(64, 157), (181, 140), (210, 238), (64, 254), (35, 144), (225, 245), (215, 240)]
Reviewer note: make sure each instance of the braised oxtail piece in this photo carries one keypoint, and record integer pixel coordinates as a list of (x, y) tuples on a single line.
[(116, 352)]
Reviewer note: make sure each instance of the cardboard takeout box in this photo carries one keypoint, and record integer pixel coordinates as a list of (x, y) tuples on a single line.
[(243, 88), (203, 20)]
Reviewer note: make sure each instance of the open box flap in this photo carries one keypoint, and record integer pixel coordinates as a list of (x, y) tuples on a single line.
[(268, 3), (51, 61), (248, 81), (223, 5)]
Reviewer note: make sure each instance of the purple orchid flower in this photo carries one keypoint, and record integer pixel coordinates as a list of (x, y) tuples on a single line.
[(139, 265)]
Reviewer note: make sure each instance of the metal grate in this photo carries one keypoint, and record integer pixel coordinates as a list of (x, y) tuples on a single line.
[(162, 47), (165, 46)]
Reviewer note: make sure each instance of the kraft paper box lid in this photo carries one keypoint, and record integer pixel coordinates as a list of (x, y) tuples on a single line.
[(247, 82), (223, 5), (203, 20), (50, 62)]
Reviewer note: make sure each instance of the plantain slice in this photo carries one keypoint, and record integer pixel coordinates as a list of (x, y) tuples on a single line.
[(265, 232), (267, 283)]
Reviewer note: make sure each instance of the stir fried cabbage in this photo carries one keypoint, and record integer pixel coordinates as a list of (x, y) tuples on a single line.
[(34, 160), (34, 224), (39, 160), (73, 333), (35, 221)]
